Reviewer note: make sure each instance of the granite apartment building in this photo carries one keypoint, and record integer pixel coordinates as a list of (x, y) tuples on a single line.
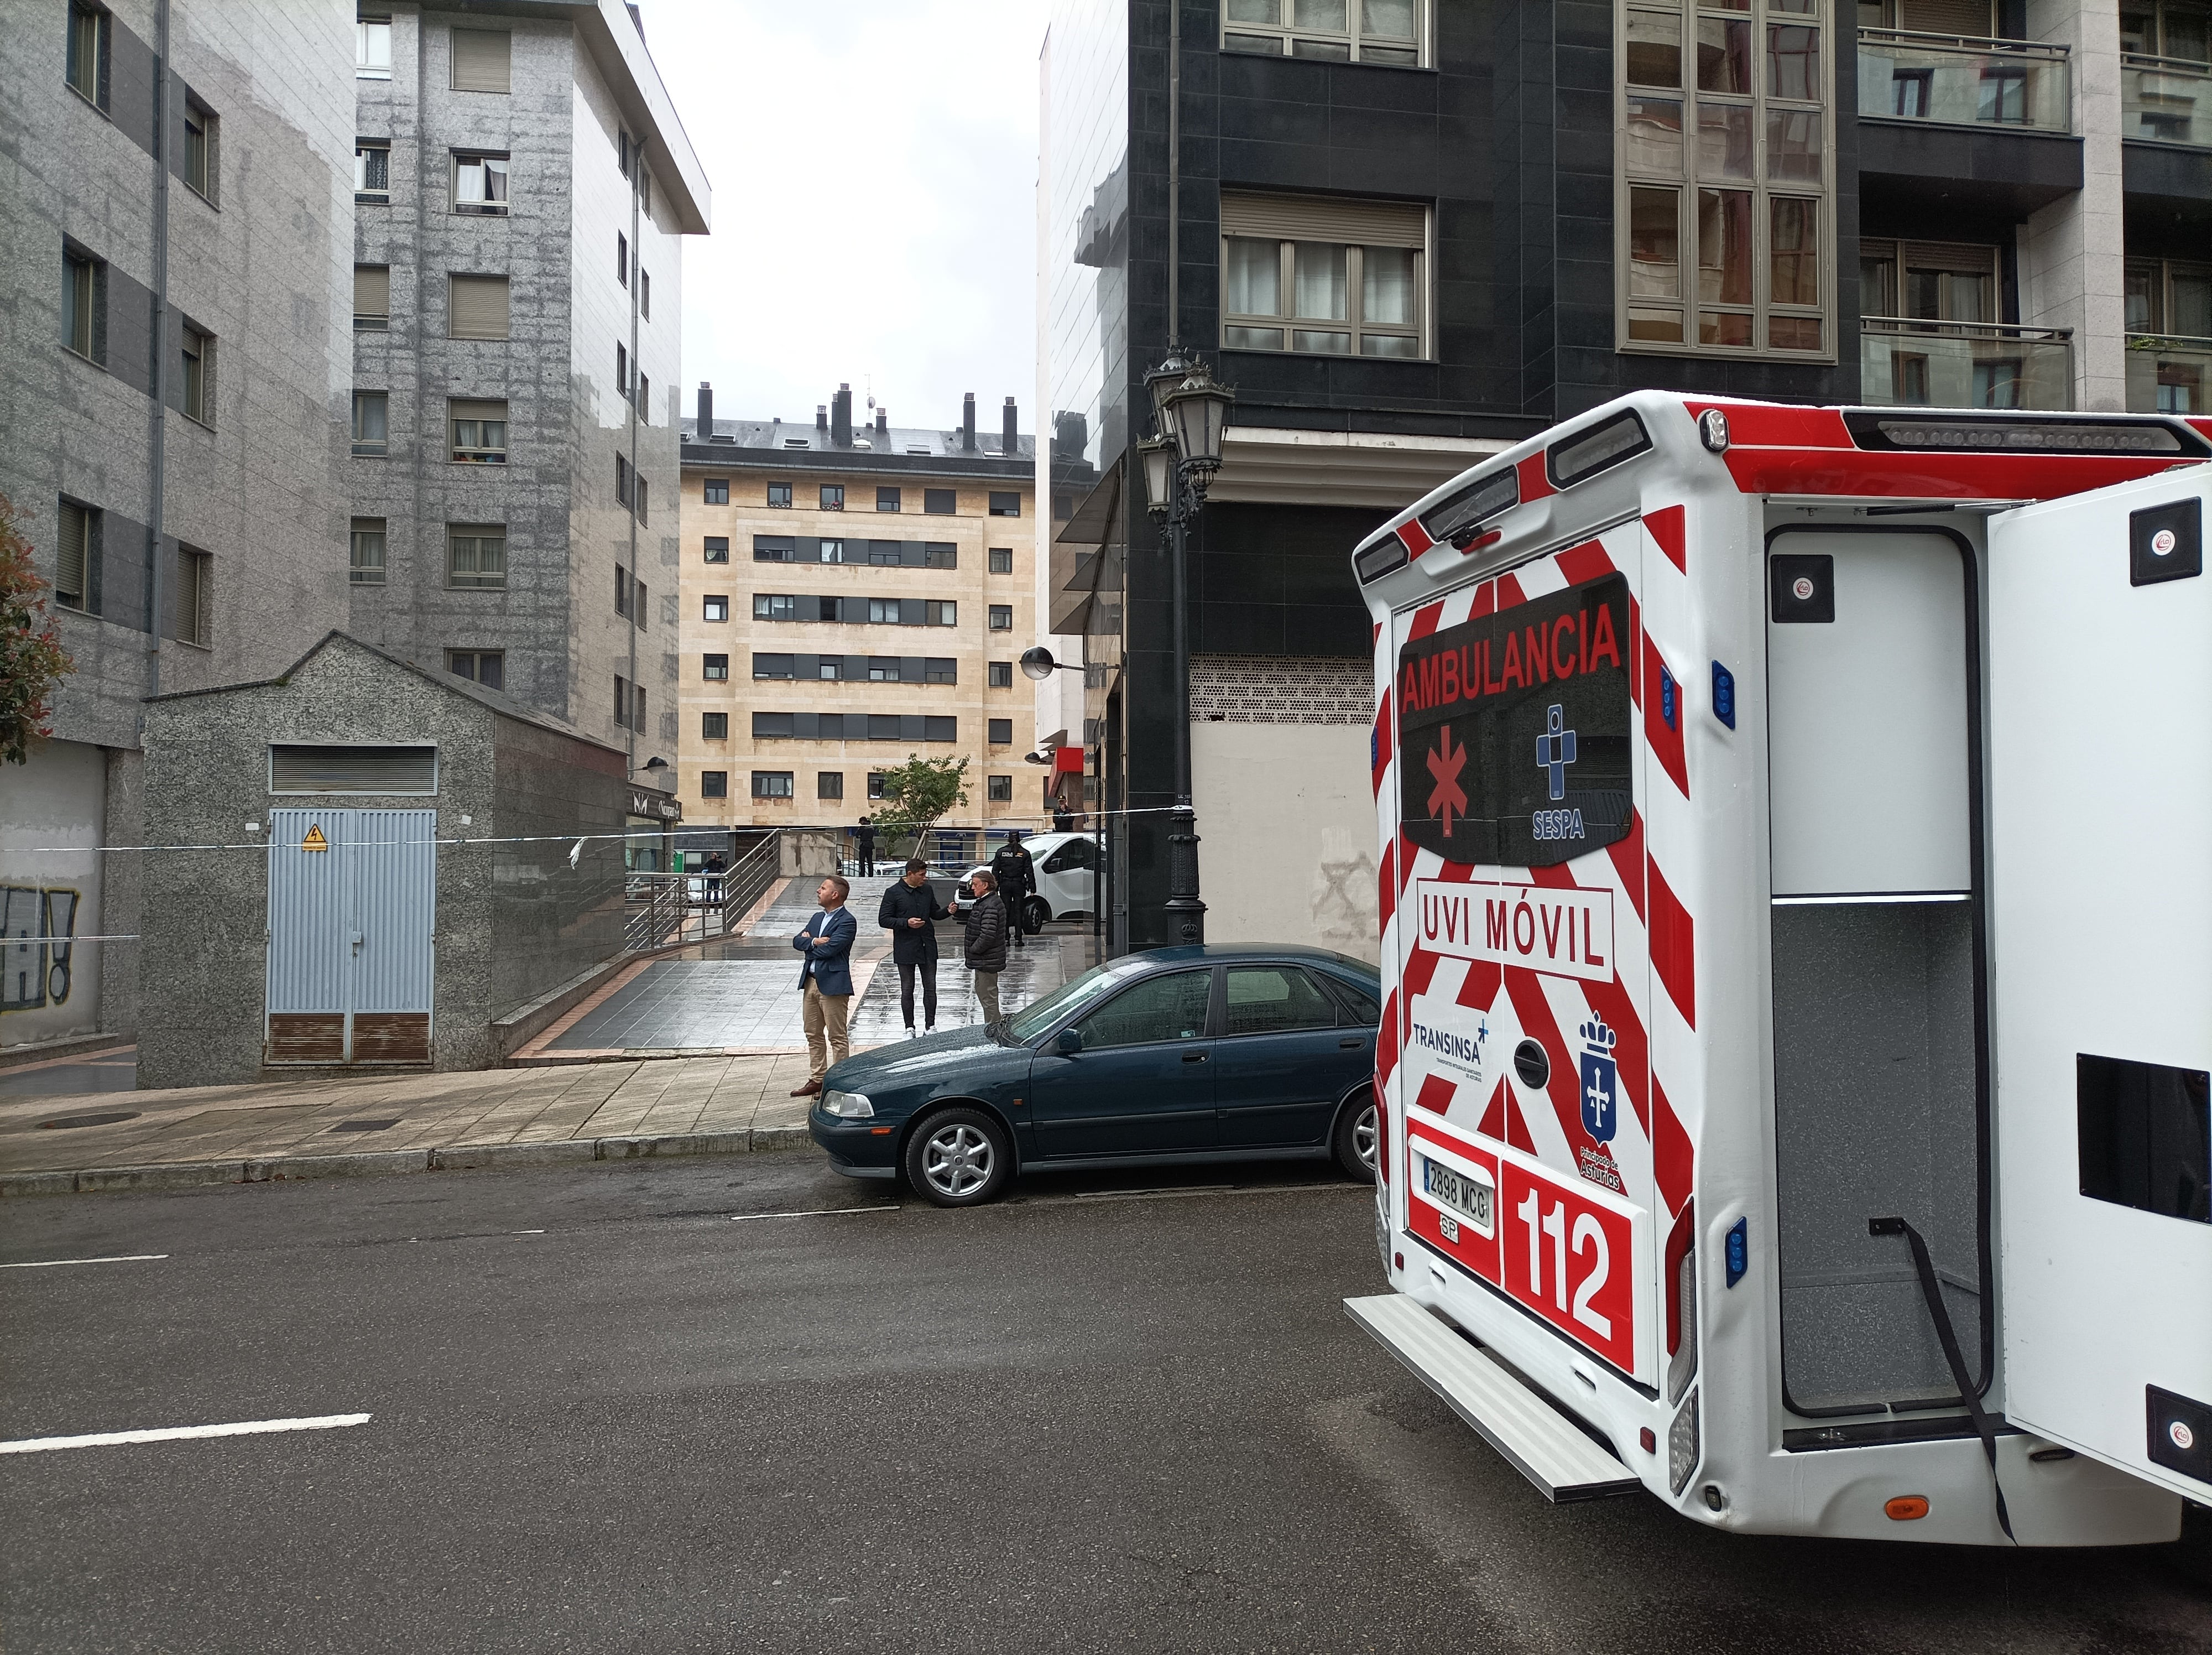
[(1410, 233)]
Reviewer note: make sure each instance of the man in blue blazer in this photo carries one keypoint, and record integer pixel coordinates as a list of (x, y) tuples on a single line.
[(826, 980)]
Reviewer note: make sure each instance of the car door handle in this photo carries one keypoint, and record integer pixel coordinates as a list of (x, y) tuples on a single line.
[(1194, 1057), (1353, 1044)]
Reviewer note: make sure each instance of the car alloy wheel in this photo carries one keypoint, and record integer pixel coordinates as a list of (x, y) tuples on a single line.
[(1353, 1143), (1363, 1138), (958, 1157), (1035, 913)]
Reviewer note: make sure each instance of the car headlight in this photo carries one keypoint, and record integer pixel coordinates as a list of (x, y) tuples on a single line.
[(851, 1105)]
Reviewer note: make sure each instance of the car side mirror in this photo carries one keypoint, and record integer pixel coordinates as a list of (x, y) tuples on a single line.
[(1070, 1042)]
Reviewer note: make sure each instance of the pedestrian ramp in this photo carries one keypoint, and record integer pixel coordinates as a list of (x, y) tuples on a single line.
[(1537, 1439)]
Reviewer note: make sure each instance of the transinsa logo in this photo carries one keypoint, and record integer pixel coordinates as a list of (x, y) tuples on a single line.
[(1461, 1051)]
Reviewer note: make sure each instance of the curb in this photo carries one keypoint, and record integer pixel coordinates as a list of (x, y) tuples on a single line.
[(458, 1158)]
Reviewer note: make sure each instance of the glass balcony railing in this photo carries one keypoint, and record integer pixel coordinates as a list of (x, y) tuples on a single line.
[(2168, 374), (1909, 363), (1963, 80), (2165, 100)]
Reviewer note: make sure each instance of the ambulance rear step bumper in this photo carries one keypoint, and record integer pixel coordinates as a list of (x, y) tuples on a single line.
[(1536, 1439)]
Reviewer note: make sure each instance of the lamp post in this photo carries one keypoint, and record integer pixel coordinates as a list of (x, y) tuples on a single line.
[(1191, 408)]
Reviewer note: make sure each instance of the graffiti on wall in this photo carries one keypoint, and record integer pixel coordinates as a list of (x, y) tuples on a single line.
[(34, 956)]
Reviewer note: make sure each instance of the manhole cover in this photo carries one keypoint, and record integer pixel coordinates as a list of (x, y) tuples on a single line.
[(69, 1121), (366, 1126)]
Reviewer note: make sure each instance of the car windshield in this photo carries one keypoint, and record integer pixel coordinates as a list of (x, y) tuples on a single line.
[(1034, 1018)]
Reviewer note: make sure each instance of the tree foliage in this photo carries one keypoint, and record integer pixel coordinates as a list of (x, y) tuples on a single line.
[(32, 659), (918, 794)]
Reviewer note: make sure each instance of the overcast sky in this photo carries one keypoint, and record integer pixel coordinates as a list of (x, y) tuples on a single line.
[(873, 165)]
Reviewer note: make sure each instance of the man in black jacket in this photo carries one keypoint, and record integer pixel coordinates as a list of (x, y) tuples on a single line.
[(910, 911), (1017, 876), (864, 838), (986, 942)]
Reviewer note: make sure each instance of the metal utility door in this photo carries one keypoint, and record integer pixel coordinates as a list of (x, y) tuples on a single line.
[(2100, 773), (352, 903)]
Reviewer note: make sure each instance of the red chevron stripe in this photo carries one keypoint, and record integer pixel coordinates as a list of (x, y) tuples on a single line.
[(1386, 886), (1673, 1159), (1587, 562), (1628, 861), (1665, 742), (1386, 1039), (1435, 1095), (1665, 526), (1385, 739), (1425, 620), (1537, 1019), (1673, 945)]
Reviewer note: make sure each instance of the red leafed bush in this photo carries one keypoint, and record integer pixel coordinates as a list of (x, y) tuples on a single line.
[(32, 659)]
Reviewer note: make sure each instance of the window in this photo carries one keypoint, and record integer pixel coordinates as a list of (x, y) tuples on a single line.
[(477, 307), (829, 784), (939, 669), (778, 494), (1002, 675), (715, 669), (942, 614), (713, 784), (717, 491), (876, 786), (640, 500), (621, 372), (774, 549), (622, 480), (479, 183), (478, 431), (999, 789), (476, 556), (1005, 505), (87, 70), (713, 726), (775, 606), (372, 298), (718, 549), (623, 153), (941, 503), (933, 729), (644, 191), (1341, 278), (1726, 226), (76, 559), (366, 564), (2169, 298), (84, 284), (639, 608), (1002, 617), (484, 667), (622, 700), (887, 499), (622, 591), (830, 551), (372, 49), (833, 496), (622, 259), (1274, 1000), (940, 554), (371, 420), (482, 60), (1002, 560), (828, 669), (715, 606), (201, 168), (886, 554), (772, 784), (1001, 732), (196, 380), (645, 293), (778, 667), (1363, 31), (1160, 1008), (372, 170), (644, 399), (2167, 28)]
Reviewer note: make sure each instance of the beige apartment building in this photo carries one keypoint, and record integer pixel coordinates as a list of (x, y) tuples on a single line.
[(852, 597)]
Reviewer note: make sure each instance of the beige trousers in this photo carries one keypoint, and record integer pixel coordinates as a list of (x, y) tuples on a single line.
[(826, 1043), (986, 993)]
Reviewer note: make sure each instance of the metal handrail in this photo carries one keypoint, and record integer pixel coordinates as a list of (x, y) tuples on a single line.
[(1941, 329), (2194, 66), (2054, 51), (2137, 341)]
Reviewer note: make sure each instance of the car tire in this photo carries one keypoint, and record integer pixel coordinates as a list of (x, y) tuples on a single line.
[(1354, 1141), (1035, 913), (958, 1157)]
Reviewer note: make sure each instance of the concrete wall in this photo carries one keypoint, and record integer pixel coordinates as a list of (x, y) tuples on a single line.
[(1287, 834)]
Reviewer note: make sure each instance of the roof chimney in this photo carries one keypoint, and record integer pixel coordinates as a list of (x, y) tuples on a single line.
[(706, 411), (1010, 442), (883, 427), (840, 418), (968, 424), (822, 417)]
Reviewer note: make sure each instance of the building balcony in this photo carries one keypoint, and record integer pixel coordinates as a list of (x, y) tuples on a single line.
[(1960, 80), (2167, 375), (1907, 363), (2165, 100)]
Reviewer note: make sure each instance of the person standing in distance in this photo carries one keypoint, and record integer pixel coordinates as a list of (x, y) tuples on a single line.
[(909, 912), (986, 942), (865, 837), (826, 981), (1017, 877)]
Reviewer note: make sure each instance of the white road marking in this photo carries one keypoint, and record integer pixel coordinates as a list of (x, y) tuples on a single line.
[(815, 1212), (245, 1428), (119, 1258), (1183, 1192), (526, 1232)]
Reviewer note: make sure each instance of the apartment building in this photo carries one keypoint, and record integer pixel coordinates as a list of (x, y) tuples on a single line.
[(175, 238), (852, 597), (522, 186), (1408, 232)]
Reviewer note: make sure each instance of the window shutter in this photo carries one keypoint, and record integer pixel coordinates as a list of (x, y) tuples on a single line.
[(1317, 218), (481, 60), (298, 768), (1947, 17), (69, 572), (479, 308), (372, 289), (460, 410), (1962, 258)]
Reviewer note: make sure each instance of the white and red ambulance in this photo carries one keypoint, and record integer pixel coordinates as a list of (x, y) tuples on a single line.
[(1796, 896)]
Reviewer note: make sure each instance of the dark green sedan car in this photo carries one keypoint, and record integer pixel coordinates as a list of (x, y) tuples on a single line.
[(1189, 1054)]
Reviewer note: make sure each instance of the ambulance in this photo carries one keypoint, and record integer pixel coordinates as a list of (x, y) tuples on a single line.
[(1795, 876)]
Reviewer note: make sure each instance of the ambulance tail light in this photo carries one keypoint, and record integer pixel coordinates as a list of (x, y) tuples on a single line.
[(1382, 1133), (1385, 556), (1459, 517), (1984, 433), (1681, 1266)]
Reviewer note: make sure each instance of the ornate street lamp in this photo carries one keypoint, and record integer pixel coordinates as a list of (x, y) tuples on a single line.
[(1178, 461)]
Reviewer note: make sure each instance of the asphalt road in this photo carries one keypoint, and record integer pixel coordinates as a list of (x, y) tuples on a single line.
[(606, 1417)]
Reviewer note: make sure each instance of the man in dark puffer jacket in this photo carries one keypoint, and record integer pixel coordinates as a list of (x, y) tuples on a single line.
[(986, 942)]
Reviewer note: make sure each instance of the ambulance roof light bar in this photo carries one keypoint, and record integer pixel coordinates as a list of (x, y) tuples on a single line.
[(1889, 430)]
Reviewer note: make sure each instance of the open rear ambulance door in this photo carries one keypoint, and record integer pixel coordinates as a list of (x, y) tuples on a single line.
[(2100, 835)]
